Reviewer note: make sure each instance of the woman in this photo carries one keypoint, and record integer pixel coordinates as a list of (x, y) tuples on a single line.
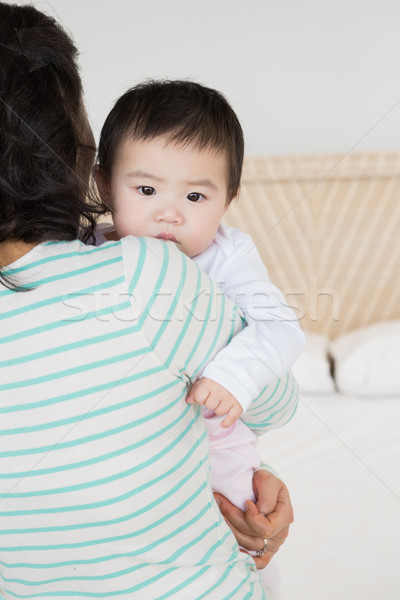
[(104, 467)]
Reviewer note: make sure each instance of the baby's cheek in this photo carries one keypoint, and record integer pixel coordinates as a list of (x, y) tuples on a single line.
[(123, 227)]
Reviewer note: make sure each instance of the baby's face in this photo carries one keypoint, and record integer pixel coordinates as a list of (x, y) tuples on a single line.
[(168, 191)]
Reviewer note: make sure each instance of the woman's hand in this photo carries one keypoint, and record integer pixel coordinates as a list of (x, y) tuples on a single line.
[(269, 518)]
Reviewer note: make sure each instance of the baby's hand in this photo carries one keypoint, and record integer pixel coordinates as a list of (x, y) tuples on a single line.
[(214, 396)]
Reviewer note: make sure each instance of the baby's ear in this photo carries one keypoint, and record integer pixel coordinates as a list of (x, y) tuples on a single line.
[(102, 185)]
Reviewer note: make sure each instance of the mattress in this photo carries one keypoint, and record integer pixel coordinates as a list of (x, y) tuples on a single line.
[(340, 458)]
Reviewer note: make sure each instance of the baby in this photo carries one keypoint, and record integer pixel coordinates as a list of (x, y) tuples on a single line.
[(170, 162)]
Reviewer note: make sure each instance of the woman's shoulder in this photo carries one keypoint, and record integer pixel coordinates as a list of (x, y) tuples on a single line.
[(141, 258), (149, 260)]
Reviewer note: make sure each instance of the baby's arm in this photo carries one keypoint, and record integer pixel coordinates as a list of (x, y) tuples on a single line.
[(272, 340)]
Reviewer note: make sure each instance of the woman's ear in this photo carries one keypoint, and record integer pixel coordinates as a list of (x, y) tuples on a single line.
[(102, 185)]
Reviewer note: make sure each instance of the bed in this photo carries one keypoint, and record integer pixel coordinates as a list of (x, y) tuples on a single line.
[(328, 229)]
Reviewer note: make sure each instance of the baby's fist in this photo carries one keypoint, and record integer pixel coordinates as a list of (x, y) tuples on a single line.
[(207, 392)]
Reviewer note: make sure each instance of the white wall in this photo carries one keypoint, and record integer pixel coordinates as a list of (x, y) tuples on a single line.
[(304, 76)]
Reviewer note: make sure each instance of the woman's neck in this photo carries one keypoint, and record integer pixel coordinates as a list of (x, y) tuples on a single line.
[(12, 250)]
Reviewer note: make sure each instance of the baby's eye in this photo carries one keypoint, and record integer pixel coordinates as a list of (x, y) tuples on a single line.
[(194, 197), (147, 190)]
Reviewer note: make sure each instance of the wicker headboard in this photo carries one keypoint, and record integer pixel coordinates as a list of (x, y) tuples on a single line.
[(328, 229)]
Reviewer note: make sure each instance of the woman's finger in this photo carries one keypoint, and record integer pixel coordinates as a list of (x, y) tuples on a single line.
[(251, 529), (266, 489), (271, 524), (235, 519), (233, 515)]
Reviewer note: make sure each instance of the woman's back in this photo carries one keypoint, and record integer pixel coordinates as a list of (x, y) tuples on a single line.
[(104, 466)]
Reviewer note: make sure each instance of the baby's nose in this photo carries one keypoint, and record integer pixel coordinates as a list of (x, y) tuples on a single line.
[(169, 214)]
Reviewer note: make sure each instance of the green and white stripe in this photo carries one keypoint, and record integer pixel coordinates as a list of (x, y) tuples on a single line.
[(104, 471)]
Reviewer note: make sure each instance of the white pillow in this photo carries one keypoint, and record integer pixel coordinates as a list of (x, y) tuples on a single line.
[(312, 368), (367, 360)]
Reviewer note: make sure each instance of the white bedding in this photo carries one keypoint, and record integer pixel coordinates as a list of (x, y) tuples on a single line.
[(340, 457)]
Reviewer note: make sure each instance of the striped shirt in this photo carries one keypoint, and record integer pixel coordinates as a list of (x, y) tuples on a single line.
[(104, 470)]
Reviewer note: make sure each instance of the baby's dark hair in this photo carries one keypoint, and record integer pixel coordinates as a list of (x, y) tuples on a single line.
[(46, 145), (185, 111)]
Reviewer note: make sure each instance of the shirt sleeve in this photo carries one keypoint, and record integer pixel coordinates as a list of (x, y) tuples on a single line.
[(274, 407), (265, 349)]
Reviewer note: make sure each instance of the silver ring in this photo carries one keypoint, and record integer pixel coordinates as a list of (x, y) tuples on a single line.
[(264, 548)]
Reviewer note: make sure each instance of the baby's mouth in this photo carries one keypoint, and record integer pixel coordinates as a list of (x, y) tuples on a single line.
[(168, 237)]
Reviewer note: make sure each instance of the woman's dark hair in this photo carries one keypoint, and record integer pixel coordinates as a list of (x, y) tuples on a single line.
[(189, 113), (46, 144)]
